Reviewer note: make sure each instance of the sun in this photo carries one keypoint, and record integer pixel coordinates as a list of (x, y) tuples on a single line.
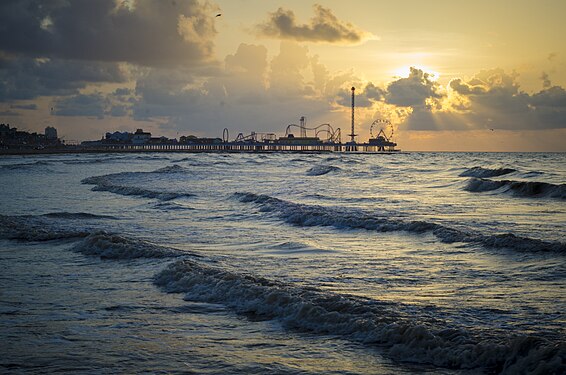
[(405, 71)]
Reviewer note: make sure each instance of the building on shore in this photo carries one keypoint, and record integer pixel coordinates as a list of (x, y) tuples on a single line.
[(12, 138)]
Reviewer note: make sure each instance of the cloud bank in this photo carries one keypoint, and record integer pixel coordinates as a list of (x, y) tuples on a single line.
[(145, 32), (324, 26)]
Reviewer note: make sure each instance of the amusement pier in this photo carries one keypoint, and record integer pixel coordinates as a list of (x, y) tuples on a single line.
[(297, 138)]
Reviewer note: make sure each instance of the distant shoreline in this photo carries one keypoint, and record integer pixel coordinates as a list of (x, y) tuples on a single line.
[(23, 152), (79, 150)]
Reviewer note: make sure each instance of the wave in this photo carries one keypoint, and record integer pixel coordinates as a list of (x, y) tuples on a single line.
[(30, 228), (104, 183), (150, 158), (92, 161), (314, 215), (169, 206), (414, 339), (172, 169), (137, 191), (113, 246), (518, 188), (77, 216), (24, 166), (486, 172), (291, 247), (319, 170)]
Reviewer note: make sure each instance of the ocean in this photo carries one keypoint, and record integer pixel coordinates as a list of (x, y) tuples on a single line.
[(212, 263)]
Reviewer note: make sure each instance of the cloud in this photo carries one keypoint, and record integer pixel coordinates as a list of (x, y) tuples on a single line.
[(494, 99), (252, 94), (144, 32), (364, 98), (118, 111), (413, 90), (92, 105), (25, 78), (9, 113), (464, 88), (29, 107), (323, 27)]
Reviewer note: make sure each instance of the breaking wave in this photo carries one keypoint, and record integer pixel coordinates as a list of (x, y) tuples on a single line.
[(172, 169), (518, 188), (113, 246), (314, 215), (486, 172), (105, 183), (27, 166), (77, 216), (91, 242), (319, 170), (413, 339), (133, 190), (30, 228)]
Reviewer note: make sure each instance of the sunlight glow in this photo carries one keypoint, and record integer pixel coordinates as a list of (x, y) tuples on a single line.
[(404, 71)]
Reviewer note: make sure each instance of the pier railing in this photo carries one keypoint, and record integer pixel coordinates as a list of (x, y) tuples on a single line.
[(236, 147)]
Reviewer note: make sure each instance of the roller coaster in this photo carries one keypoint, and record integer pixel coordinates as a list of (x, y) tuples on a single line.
[(332, 136)]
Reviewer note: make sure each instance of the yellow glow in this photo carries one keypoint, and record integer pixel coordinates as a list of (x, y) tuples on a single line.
[(404, 71)]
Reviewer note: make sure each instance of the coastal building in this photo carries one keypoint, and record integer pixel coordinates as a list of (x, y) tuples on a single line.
[(118, 137), (50, 133), (140, 137)]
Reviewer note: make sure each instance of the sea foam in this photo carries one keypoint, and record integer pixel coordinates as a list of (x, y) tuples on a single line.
[(367, 321)]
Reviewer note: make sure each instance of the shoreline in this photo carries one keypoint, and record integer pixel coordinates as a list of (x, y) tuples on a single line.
[(22, 152)]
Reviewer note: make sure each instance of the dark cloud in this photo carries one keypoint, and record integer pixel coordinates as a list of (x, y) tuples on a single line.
[(495, 100), (550, 107), (122, 91), (365, 97), (92, 105), (424, 119), (26, 78), (552, 97), (29, 107), (413, 90), (323, 27), (374, 93), (463, 88), (143, 32), (9, 113), (118, 111)]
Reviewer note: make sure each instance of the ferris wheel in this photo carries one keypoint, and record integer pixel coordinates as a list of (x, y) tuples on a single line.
[(383, 125)]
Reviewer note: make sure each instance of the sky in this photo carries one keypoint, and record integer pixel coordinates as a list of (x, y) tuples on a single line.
[(448, 75)]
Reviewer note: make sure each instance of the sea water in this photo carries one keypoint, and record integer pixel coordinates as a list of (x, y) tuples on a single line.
[(219, 263)]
